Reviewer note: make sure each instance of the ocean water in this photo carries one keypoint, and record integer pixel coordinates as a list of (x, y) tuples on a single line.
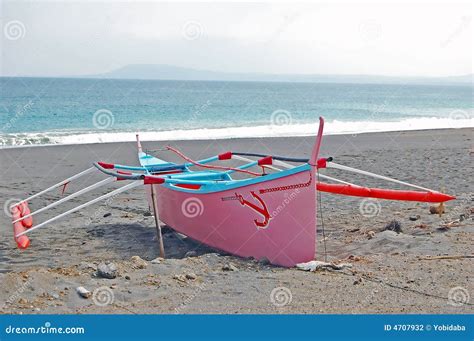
[(61, 110)]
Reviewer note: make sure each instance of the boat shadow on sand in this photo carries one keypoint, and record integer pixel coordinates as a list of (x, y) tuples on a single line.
[(136, 239)]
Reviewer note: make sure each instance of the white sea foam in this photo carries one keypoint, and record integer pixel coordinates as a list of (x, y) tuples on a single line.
[(332, 128)]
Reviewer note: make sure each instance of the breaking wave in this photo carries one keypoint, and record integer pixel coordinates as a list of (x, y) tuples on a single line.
[(333, 127)]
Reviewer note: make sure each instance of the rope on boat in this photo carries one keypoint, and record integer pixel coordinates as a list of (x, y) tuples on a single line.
[(250, 160), (211, 166)]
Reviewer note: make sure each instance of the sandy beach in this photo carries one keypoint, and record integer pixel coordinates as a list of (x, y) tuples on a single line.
[(424, 268)]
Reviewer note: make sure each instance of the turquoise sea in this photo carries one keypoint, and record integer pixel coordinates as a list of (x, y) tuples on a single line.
[(61, 110)]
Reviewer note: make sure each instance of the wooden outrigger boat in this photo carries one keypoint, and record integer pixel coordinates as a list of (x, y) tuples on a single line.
[(270, 213)]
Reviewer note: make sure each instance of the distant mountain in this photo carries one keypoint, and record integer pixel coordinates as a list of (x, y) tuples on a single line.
[(169, 72)]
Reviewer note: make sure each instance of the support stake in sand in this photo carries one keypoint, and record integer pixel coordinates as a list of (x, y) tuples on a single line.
[(157, 222)]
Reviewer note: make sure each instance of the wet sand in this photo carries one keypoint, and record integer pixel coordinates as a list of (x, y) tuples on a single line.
[(391, 272)]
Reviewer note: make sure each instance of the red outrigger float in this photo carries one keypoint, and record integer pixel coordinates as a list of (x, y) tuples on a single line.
[(271, 213)]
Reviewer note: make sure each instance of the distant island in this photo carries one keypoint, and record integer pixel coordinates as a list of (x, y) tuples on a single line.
[(169, 72)]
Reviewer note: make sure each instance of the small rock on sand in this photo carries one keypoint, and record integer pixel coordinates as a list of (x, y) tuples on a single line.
[(414, 217), (394, 226), (157, 260), (84, 266), (83, 292), (455, 223), (191, 275), (180, 278), (190, 254), (229, 267), (437, 209), (370, 234), (107, 270), (138, 263)]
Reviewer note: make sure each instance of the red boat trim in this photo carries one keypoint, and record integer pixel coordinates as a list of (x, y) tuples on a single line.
[(322, 163), (225, 156), (188, 186), (148, 180), (124, 173), (106, 165), (265, 161)]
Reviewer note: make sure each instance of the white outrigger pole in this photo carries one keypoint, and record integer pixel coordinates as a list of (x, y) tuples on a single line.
[(373, 175), (72, 196), (18, 220), (59, 184), (80, 207)]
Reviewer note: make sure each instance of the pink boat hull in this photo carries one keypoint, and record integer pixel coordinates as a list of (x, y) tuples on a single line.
[(273, 220)]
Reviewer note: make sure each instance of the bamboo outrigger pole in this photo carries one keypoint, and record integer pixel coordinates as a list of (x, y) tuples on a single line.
[(157, 222)]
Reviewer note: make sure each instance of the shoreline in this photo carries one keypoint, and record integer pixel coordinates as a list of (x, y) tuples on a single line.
[(433, 130)]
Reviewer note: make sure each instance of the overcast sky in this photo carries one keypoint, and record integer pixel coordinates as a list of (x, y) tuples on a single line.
[(60, 38)]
